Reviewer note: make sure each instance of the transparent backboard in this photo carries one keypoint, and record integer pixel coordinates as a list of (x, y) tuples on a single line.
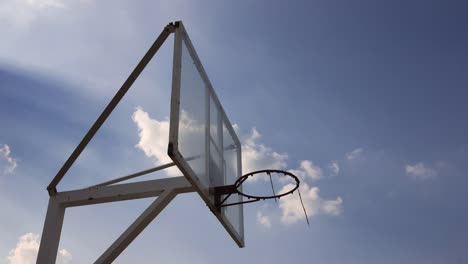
[(202, 141)]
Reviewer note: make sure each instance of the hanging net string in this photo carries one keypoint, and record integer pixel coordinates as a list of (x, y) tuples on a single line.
[(303, 207), (272, 187)]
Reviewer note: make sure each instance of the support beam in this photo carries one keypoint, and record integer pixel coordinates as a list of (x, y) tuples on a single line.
[(51, 232), (141, 173), (166, 189), (137, 227), (121, 192), (52, 188), (136, 174)]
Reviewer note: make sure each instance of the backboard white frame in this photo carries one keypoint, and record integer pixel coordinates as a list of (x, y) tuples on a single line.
[(181, 37)]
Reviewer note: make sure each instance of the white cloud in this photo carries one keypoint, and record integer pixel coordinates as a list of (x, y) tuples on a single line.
[(154, 138), (44, 35), (307, 169), (441, 164), (354, 154), (257, 156), (292, 210), (154, 135), (42, 3), (23, 12), (420, 171), (7, 163), (264, 220), (334, 167), (27, 248)]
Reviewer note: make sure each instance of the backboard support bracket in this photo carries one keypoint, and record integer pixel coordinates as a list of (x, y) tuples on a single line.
[(223, 190), (169, 29), (228, 190), (165, 189)]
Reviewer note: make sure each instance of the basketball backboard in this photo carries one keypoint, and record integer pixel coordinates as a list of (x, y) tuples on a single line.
[(202, 141)]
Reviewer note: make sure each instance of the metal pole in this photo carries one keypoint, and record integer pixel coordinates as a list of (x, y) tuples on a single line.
[(51, 232), (140, 173), (137, 227), (134, 175)]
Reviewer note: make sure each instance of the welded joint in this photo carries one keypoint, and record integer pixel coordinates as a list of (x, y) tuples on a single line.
[(52, 191), (171, 27), (220, 191)]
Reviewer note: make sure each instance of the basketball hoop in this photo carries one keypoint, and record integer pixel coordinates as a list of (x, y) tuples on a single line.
[(228, 190)]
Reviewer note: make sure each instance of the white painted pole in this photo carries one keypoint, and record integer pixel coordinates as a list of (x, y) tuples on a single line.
[(51, 233), (125, 191)]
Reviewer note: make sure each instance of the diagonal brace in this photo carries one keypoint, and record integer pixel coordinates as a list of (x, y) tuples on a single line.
[(166, 189), (137, 227), (52, 187)]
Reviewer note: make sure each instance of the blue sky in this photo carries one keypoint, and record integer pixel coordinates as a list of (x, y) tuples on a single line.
[(376, 88)]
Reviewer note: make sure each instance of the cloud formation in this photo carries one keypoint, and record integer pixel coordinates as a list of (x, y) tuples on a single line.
[(307, 169), (27, 248), (263, 220), (314, 204), (334, 167), (153, 140), (7, 163), (354, 154), (420, 171), (256, 156), (23, 12)]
